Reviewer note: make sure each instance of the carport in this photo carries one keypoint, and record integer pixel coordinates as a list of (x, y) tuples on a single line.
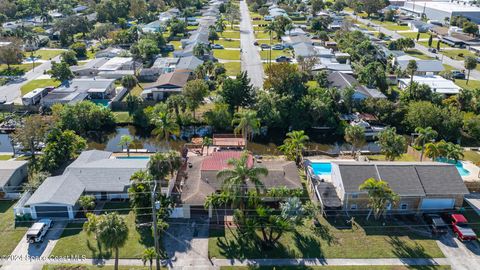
[(51, 211)]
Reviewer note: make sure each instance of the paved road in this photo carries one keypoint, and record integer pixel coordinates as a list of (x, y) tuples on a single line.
[(461, 256), (475, 74), (11, 92), (251, 61)]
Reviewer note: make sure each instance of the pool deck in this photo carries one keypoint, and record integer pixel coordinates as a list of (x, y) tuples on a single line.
[(473, 169), (319, 159)]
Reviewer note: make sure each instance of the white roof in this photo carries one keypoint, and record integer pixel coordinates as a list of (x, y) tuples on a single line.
[(444, 6), (437, 83), (34, 93), (115, 63)]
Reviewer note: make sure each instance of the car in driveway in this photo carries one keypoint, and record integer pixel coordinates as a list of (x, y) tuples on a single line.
[(432, 50), (217, 46), (264, 46), (255, 43), (283, 59), (39, 229), (278, 47), (461, 228), (457, 74), (436, 223)]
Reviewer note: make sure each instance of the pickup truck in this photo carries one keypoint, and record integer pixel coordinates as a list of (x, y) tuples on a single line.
[(436, 223), (461, 229)]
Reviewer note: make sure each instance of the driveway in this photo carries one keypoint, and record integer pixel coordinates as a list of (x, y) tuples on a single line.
[(462, 256), (475, 74), (251, 61), (11, 92), (32, 256)]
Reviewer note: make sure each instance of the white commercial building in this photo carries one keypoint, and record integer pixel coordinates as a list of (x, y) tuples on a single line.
[(440, 10)]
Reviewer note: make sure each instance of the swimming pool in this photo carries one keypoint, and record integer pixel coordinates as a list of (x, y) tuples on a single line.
[(459, 165), (134, 157), (321, 168)]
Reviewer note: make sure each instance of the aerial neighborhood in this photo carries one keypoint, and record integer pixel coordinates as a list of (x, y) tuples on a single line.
[(239, 134)]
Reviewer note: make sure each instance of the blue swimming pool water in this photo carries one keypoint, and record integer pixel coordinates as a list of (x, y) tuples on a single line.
[(459, 165), (134, 157), (321, 168)]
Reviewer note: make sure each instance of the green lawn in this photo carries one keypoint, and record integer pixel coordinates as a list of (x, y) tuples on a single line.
[(76, 241), (472, 84), (91, 267), (262, 35), (46, 54), (8, 233), (260, 22), (5, 157), (472, 156), (136, 91), (31, 85), (192, 27), (413, 35), (391, 25), (331, 267), (122, 118), (328, 241), (434, 43), (418, 54), (456, 53), (227, 54), (230, 34), (228, 43), (265, 54), (24, 67), (233, 68)]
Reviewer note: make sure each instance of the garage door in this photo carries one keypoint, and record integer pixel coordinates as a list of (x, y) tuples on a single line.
[(434, 204), (51, 211)]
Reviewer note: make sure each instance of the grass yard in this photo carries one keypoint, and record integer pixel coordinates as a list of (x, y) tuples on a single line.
[(404, 157), (265, 54), (413, 35), (8, 233), (91, 267), (263, 35), (31, 85), (5, 157), (227, 54), (228, 43), (24, 67), (456, 54), (176, 43), (46, 54), (76, 241), (192, 27), (260, 22), (334, 239), (136, 91), (418, 54), (331, 267), (434, 43), (391, 25), (472, 84), (233, 68), (230, 34), (472, 156), (122, 118)]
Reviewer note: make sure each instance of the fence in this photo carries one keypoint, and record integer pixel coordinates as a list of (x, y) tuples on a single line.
[(19, 208)]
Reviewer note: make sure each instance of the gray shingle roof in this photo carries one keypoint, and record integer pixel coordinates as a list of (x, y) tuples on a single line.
[(405, 178), (8, 168), (189, 62), (63, 189), (423, 65)]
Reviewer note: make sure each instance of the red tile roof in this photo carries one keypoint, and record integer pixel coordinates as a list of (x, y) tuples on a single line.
[(219, 160)]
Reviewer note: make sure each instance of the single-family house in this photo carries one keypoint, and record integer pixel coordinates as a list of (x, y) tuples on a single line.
[(201, 178), (419, 26), (90, 68), (111, 52), (117, 67), (167, 84), (341, 81), (437, 84), (94, 173), (421, 186), (424, 67), (12, 174)]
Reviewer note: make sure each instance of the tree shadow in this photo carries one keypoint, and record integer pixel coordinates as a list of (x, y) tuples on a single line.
[(324, 233), (407, 253), (146, 236), (308, 246)]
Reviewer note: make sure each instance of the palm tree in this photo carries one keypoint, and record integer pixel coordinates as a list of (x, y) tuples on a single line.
[(112, 233), (87, 202), (380, 196), (411, 69), (246, 123), (355, 135), (424, 135), (206, 142), (433, 150), (215, 201), (220, 25), (270, 29), (294, 145), (238, 176), (148, 255), (165, 126), (453, 152), (126, 140)]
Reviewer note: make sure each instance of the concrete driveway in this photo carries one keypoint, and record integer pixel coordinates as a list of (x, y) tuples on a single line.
[(462, 256), (32, 256)]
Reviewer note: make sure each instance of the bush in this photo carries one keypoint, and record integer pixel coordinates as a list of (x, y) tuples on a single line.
[(80, 49)]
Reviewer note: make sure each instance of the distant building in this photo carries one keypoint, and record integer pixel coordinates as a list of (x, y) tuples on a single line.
[(12, 174), (341, 81), (436, 83), (436, 10), (166, 85)]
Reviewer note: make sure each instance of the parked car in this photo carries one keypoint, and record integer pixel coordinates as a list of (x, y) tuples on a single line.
[(457, 74), (282, 59), (255, 43), (436, 223), (264, 46), (278, 47), (432, 50), (461, 229), (478, 59), (216, 46), (39, 229)]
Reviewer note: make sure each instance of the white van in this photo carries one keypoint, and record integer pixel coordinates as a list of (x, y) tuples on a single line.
[(39, 229)]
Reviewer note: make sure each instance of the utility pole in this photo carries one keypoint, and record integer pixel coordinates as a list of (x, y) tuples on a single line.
[(155, 231)]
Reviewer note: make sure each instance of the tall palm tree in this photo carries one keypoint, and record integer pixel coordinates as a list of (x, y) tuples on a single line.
[(380, 196), (112, 233), (215, 201), (433, 150), (206, 142), (220, 25), (355, 135), (246, 123), (126, 141), (149, 255), (294, 145), (424, 135), (453, 152), (238, 176), (165, 126), (270, 29), (411, 69)]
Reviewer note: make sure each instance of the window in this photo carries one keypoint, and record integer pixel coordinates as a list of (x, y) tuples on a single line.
[(354, 195), (353, 207), (403, 206)]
